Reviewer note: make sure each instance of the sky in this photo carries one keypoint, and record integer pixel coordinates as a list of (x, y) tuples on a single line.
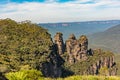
[(50, 11)]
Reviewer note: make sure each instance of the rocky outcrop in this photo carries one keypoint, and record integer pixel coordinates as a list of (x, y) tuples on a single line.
[(38, 51), (77, 49), (105, 63), (58, 40), (80, 59), (53, 66), (84, 43), (95, 60)]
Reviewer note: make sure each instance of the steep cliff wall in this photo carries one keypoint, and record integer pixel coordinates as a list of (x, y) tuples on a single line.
[(81, 60), (25, 43), (28, 44)]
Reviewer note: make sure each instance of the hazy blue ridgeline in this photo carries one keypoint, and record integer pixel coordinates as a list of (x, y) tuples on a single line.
[(79, 28)]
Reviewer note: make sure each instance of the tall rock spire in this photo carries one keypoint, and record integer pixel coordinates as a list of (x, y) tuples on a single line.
[(58, 40), (83, 42), (77, 49)]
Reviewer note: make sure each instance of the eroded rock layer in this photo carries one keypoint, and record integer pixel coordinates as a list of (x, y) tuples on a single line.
[(81, 60)]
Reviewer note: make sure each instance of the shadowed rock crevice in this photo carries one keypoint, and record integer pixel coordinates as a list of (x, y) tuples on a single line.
[(53, 66), (2, 77), (77, 49)]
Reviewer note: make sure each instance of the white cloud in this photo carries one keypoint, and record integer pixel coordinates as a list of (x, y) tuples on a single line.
[(51, 11)]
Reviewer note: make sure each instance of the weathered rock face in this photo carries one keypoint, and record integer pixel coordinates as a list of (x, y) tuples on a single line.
[(106, 63), (84, 43), (53, 67), (78, 58), (76, 49), (58, 40)]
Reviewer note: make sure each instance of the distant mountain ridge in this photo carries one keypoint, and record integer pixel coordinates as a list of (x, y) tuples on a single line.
[(101, 21), (109, 39), (86, 28)]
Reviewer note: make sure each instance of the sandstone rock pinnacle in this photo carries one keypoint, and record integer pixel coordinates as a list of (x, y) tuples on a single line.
[(77, 49), (58, 40)]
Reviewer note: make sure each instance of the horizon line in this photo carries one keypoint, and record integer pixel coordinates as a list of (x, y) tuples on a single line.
[(79, 21)]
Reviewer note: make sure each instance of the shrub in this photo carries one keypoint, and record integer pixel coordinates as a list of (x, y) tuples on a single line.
[(104, 71), (25, 75), (16, 76)]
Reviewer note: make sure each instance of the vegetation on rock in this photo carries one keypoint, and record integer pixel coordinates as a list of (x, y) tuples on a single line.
[(94, 65), (87, 77), (25, 46)]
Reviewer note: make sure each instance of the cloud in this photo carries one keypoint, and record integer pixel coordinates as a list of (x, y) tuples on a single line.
[(54, 11)]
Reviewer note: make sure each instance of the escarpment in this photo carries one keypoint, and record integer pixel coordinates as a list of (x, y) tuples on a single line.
[(26, 44), (104, 64), (53, 66), (81, 60)]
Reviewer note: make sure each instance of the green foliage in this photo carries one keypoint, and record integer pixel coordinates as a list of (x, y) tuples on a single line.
[(16, 76), (23, 37), (25, 75), (22, 44), (25, 67), (87, 77), (117, 60), (104, 71), (25, 46)]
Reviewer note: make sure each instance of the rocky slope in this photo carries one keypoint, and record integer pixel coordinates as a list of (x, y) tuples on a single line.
[(81, 60), (28, 46)]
